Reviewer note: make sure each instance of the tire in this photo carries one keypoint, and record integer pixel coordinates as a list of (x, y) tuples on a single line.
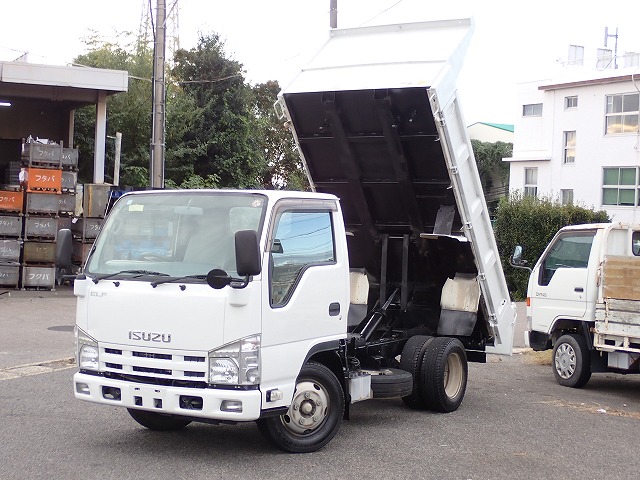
[(314, 415), (158, 422), (572, 361), (392, 383), (444, 372), (411, 360)]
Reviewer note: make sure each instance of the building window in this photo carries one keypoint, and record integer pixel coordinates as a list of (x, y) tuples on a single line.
[(622, 113), (567, 196), (532, 110), (631, 59), (576, 55), (570, 102), (619, 186), (605, 59), (530, 182), (569, 146)]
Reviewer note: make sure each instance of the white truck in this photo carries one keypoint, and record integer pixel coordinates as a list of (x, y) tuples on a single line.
[(287, 307), (583, 300)]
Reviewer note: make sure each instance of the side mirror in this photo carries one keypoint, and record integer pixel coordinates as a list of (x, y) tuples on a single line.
[(248, 261), (64, 247), (277, 246), (218, 279), (516, 259)]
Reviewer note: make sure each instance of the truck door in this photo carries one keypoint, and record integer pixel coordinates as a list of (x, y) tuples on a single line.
[(561, 280), (307, 292)]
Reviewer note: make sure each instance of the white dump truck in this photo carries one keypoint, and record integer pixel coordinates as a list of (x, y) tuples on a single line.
[(286, 307), (583, 300)]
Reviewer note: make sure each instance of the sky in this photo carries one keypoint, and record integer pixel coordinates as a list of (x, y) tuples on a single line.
[(513, 41)]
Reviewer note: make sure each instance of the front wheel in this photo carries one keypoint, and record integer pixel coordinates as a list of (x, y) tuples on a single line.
[(314, 415), (159, 422), (572, 361)]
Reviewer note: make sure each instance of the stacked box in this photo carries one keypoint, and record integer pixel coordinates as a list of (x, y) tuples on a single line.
[(12, 173), (10, 251), (43, 179), (11, 201), (85, 228), (41, 155), (11, 226), (40, 230)]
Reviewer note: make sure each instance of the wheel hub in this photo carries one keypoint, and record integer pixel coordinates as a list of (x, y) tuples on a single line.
[(565, 361), (308, 409)]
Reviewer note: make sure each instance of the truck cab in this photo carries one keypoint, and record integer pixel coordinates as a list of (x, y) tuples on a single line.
[(582, 303)]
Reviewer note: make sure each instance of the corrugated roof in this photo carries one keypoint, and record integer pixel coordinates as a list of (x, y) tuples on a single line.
[(501, 126)]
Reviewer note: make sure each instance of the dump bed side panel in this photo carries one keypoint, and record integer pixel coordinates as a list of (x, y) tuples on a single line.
[(473, 212)]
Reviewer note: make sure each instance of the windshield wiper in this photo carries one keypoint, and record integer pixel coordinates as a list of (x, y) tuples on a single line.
[(137, 273), (177, 279)]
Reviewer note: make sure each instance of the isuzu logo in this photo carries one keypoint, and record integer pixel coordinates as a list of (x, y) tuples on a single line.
[(149, 336)]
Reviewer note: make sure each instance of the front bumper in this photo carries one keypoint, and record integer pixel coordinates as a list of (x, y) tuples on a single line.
[(213, 404)]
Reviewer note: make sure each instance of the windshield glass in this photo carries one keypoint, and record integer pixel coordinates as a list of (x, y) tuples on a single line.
[(174, 233)]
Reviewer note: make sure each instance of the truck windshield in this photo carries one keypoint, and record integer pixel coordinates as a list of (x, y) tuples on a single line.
[(176, 234)]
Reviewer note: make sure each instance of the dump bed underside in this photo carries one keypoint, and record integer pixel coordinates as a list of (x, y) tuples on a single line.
[(380, 153)]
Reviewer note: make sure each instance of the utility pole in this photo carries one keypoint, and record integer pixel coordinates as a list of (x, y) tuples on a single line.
[(333, 13), (156, 164), (615, 52)]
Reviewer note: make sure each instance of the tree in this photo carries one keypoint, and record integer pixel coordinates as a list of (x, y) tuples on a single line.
[(221, 140), (284, 168), (531, 222), (128, 112), (494, 173)]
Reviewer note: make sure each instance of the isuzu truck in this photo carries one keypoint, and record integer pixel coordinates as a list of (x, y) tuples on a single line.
[(286, 308)]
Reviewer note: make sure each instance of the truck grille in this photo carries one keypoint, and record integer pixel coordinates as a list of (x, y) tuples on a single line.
[(154, 365)]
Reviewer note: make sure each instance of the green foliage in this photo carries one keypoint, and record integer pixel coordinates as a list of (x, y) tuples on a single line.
[(220, 131), (494, 173), (221, 139), (284, 168), (195, 181), (128, 113), (531, 222)]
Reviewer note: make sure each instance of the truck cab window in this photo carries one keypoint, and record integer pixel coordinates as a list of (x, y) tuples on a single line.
[(569, 251), (302, 239)]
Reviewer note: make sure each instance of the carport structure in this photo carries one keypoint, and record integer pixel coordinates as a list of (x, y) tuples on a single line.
[(40, 100)]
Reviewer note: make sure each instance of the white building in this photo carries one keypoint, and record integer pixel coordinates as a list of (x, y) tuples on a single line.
[(577, 140)]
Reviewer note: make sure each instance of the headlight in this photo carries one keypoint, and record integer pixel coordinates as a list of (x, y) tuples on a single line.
[(86, 351), (237, 363)]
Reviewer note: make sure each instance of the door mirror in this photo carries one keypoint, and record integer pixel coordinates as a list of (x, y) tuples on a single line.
[(248, 261), (516, 259), (218, 279)]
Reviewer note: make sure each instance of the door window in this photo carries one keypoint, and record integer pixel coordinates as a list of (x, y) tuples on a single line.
[(569, 251), (302, 239)]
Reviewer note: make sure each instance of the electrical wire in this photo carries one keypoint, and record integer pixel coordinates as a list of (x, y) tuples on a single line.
[(383, 11)]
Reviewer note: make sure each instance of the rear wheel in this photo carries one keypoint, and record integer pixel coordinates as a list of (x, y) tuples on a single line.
[(572, 361), (314, 415), (411, 360), (444, 373), (159, 422)]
